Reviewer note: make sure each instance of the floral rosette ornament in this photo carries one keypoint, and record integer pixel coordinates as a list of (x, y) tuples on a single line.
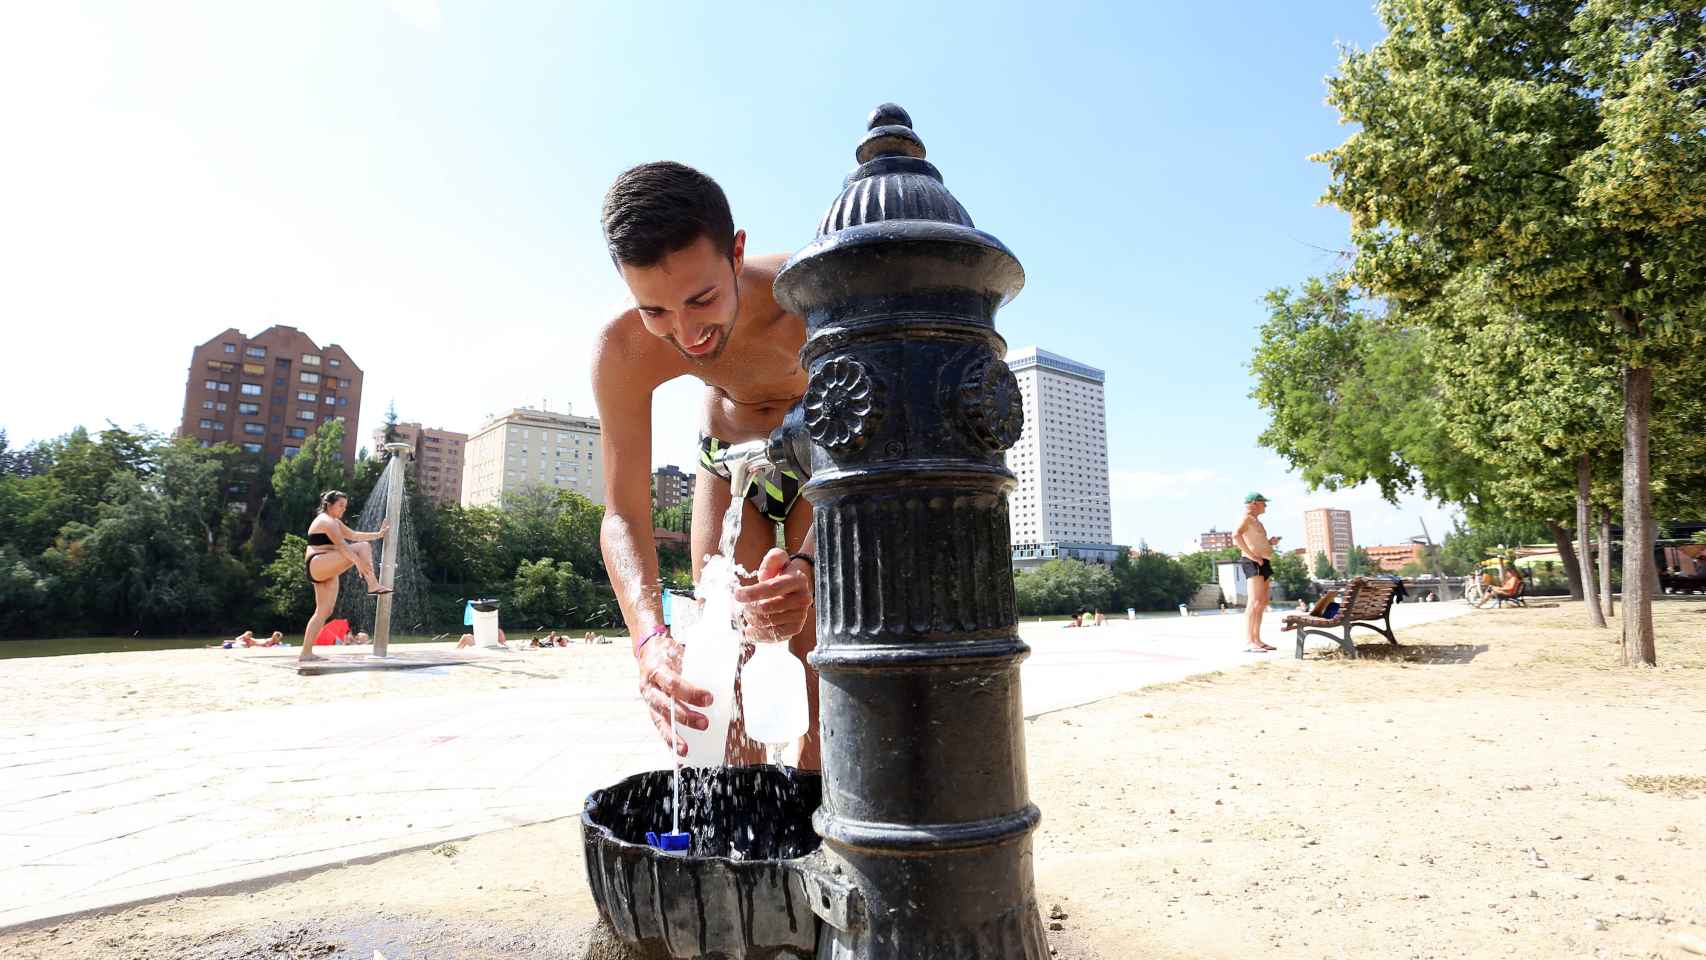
[(841, 406), (990, 402)]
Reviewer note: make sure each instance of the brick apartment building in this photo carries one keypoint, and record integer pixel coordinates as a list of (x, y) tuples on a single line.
[(671, 487), (267, 393), (1391, 559), (1215, 540), (1328, 531), (437, 466)]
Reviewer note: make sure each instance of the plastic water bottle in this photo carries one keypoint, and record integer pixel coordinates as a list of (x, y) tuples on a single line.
[(773, 695), (710, 662)]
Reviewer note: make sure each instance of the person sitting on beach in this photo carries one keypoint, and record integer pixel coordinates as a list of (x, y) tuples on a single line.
[(332, 549), (590, 637), (1100, 620), (1511, 586), (503, 640)]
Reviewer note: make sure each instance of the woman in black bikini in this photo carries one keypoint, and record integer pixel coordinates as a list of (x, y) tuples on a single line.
[(332, 549)]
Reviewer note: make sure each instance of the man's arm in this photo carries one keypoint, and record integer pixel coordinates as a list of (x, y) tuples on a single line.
[(624, 398), (622, 386), (1239, 534)]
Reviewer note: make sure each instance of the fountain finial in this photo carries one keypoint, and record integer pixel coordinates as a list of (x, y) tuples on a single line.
[(890, 135), (397, 447)]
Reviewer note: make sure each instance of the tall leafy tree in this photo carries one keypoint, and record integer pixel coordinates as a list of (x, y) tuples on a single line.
[(298, 481), (1557, 150)]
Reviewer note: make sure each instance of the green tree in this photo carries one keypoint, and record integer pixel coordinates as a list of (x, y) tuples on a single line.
[(1358, 563), (298, 481), (1292, 576), (1201, 563), (1324, 567), (1151, 581), (288, 594), (1064, 586), (1556, 151), (549, 593)]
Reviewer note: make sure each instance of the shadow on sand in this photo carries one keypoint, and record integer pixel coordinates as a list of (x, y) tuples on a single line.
[(1433, 653)]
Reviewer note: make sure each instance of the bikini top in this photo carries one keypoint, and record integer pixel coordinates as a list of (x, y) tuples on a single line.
[(319, 540)]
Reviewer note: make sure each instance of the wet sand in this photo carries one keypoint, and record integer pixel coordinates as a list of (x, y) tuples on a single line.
[(1497, 787)]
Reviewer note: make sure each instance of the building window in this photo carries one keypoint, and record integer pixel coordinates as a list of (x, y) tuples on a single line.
[(343, 401), (292, 451), (251, 448), (296, 433), (221, 406), (210, 384), (333, 362), (259, 353), (310, 360), (251, 389), (307, 377), (230, 348), (207, 404), (330, 400), (206, 424), (255, 428), (305, 396), (254, 370), (304, 414), (249, 408)]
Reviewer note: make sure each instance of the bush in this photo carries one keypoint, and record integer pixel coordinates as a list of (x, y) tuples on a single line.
[(1064, 587)]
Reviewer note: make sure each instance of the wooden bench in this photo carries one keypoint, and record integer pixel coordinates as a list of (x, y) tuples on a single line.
[(1367, 604)]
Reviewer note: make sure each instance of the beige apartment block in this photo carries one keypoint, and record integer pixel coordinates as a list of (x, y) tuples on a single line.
[(437, 465), (532, 448), (1328, 531)]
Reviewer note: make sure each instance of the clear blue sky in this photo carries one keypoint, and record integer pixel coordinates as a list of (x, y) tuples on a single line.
[(419, 181)]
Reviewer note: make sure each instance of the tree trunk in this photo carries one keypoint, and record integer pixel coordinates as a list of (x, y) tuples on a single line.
[(1605, 589), (1567, 553), (1584, 523), (1639, 644)]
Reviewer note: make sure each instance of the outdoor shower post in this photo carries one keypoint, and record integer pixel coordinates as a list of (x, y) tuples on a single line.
[(926, 815), (388, 565)]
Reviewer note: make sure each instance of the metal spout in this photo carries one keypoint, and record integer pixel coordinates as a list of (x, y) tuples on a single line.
[(789, 447)]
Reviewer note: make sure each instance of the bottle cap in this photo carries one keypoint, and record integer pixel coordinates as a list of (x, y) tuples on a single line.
[(675, 842)]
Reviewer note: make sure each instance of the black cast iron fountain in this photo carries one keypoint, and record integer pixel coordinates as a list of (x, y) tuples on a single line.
[(925, 814)]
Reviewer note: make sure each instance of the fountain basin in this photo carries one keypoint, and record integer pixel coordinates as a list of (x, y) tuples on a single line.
[(740, 892)]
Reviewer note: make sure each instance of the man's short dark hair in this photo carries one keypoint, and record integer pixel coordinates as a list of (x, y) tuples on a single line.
[(655, 209)]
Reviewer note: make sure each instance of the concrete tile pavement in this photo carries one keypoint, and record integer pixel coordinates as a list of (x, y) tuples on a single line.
[(98, 814)]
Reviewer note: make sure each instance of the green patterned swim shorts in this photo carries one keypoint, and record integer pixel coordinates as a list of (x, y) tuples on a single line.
[(772, 495)]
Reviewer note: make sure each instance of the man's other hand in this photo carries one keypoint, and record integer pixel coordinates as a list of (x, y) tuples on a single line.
[(662, 688), (779, 603)]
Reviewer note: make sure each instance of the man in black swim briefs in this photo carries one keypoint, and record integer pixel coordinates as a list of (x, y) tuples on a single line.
[(1257, 548)]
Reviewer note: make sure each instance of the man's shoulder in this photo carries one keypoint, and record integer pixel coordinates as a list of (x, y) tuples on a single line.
[(624, 346), (760, 276)]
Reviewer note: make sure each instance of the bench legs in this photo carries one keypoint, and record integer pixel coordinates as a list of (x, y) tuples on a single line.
[(1343, 641)]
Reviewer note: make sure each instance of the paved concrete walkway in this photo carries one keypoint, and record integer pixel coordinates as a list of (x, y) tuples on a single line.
[(98, 814)]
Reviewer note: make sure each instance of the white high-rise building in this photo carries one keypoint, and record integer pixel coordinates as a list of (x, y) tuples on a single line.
[(532, 448), (1060, 507)]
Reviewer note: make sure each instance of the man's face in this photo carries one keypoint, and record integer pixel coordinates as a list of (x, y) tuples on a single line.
[(1258, 507), (691, 297)]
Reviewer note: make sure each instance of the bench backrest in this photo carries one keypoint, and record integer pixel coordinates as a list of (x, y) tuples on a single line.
[(1369, 599)]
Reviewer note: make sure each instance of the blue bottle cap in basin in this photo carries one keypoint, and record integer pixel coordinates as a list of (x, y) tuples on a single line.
[(670, 842)]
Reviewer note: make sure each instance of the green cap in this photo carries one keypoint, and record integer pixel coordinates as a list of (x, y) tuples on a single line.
[(1253, 496)]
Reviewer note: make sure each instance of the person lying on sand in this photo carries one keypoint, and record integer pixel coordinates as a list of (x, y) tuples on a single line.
[(247, 639)]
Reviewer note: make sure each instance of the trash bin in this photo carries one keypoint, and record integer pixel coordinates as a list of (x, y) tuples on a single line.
[(485, 616)]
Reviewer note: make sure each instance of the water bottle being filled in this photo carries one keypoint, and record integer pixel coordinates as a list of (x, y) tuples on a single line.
[(710, 660), (773, 695)]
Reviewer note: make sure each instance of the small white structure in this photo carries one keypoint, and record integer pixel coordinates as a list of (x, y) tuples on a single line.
[(486, 626), (1234, 586)]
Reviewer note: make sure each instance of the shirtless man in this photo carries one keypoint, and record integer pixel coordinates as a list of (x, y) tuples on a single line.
[(701, 309), (1258, 549)]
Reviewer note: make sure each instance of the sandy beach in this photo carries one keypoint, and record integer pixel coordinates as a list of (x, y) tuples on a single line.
[(1496, 787)]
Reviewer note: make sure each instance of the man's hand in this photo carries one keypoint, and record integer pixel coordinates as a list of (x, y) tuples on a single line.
[(779, 603), (665, 692)]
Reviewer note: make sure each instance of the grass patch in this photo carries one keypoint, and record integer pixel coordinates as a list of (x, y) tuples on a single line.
[(1667, 784)]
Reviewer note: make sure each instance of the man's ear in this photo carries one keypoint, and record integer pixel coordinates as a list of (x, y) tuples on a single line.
[(737, 251)]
